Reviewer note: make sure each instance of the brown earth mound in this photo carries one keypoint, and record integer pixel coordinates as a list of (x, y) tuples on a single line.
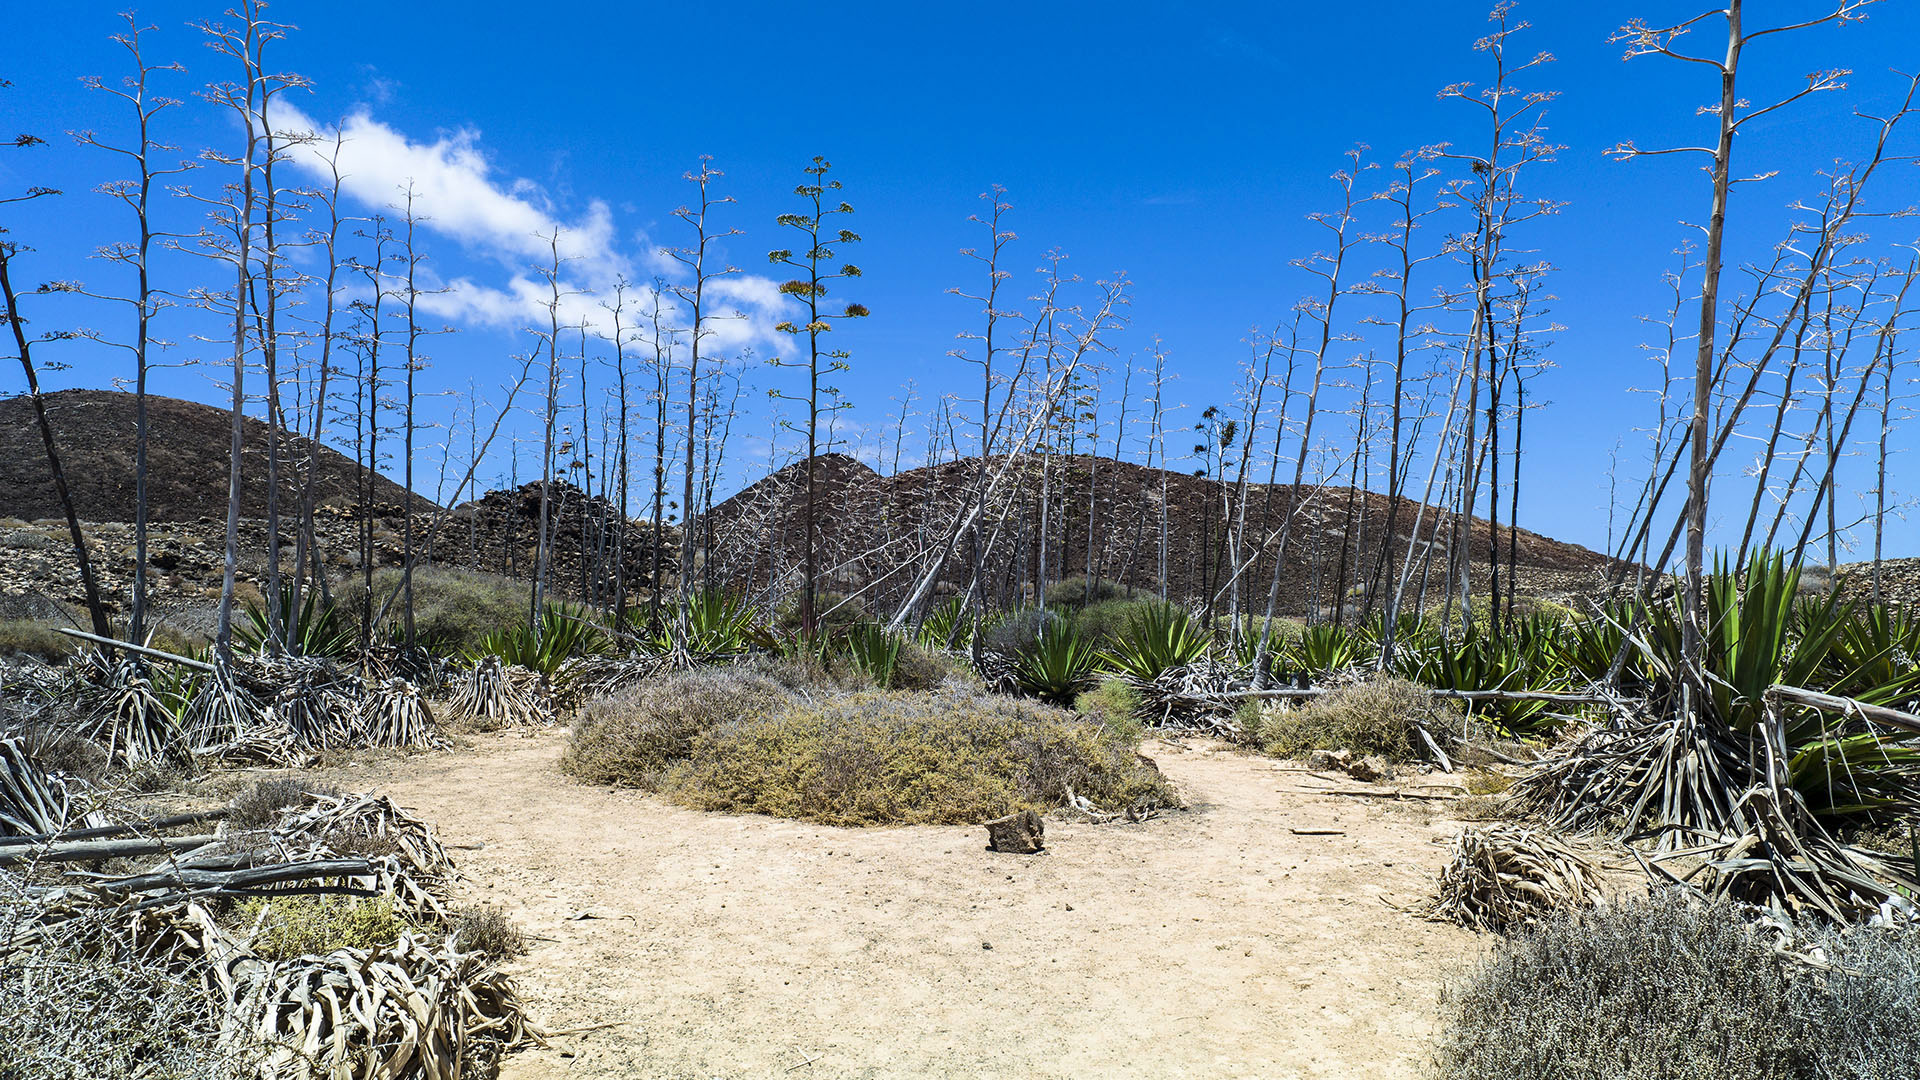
[(1103, 518), (187, 452)]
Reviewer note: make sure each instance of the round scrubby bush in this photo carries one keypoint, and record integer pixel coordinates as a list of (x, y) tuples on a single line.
[(1380, 716), (880, 758), (1074, 592), (631, 738), (1672, 988), (1018, 630), (1106, 621)]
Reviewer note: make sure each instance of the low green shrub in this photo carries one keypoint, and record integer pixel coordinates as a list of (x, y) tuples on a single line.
[(1116, 704), (921, 669), (35, 638), (633, 737), (879, 758), (452, 609), (1675, 989), (1106, 621), (309, 924), (1073, 592), (1380, 716)]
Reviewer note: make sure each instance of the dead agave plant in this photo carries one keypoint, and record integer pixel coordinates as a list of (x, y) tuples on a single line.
[(1780, 857), (393, 712), (1502, 877), (493, 696), (409, 863), (218, 713), (406, 1010), (34, 801), (130, 717)]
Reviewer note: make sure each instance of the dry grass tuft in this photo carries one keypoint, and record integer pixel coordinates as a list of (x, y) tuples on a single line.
[(260, 805), (1381, 716), (488, 929)]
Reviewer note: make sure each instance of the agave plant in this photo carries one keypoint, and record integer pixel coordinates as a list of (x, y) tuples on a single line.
[(948, 625), (1713, 729), (1329, 647), (1878, 647), (1585, 649), (873, 652), (713, 624), (1153, 639), (566, 631), (1476, 659), (1057, 665), (1759, 631), (313, 627)]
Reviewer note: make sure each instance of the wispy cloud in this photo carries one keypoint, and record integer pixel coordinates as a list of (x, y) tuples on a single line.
[(510, 221)]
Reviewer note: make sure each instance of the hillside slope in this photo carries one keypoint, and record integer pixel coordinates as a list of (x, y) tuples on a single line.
[(868, 523), (187, 452)]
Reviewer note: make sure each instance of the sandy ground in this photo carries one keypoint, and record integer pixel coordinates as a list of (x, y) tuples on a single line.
[(1212, 942)]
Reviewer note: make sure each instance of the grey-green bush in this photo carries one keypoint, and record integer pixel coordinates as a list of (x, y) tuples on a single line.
[(76, 1008), (633, 737), (1018, 630), (1676, 989)]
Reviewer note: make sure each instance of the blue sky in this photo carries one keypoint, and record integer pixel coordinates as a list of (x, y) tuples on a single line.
[(1182, 147)]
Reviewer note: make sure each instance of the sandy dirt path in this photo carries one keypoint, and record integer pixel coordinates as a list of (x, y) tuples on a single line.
[(1212, 942)]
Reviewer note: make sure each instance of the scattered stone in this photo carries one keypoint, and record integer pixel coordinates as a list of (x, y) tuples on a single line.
[(1329, 760), (1018, 834), (1369, 769)]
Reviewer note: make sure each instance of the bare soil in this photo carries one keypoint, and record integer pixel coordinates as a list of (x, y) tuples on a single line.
[(1211, 942)]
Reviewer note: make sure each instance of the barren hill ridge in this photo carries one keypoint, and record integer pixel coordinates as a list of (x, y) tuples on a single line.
[(187, 449), (868, 522)]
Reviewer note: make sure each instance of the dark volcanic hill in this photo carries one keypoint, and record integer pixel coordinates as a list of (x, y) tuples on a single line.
[(1104, 516), (187, 451)]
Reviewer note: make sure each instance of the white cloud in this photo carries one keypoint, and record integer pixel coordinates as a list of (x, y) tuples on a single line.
[(456, 191), (507, 220)]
